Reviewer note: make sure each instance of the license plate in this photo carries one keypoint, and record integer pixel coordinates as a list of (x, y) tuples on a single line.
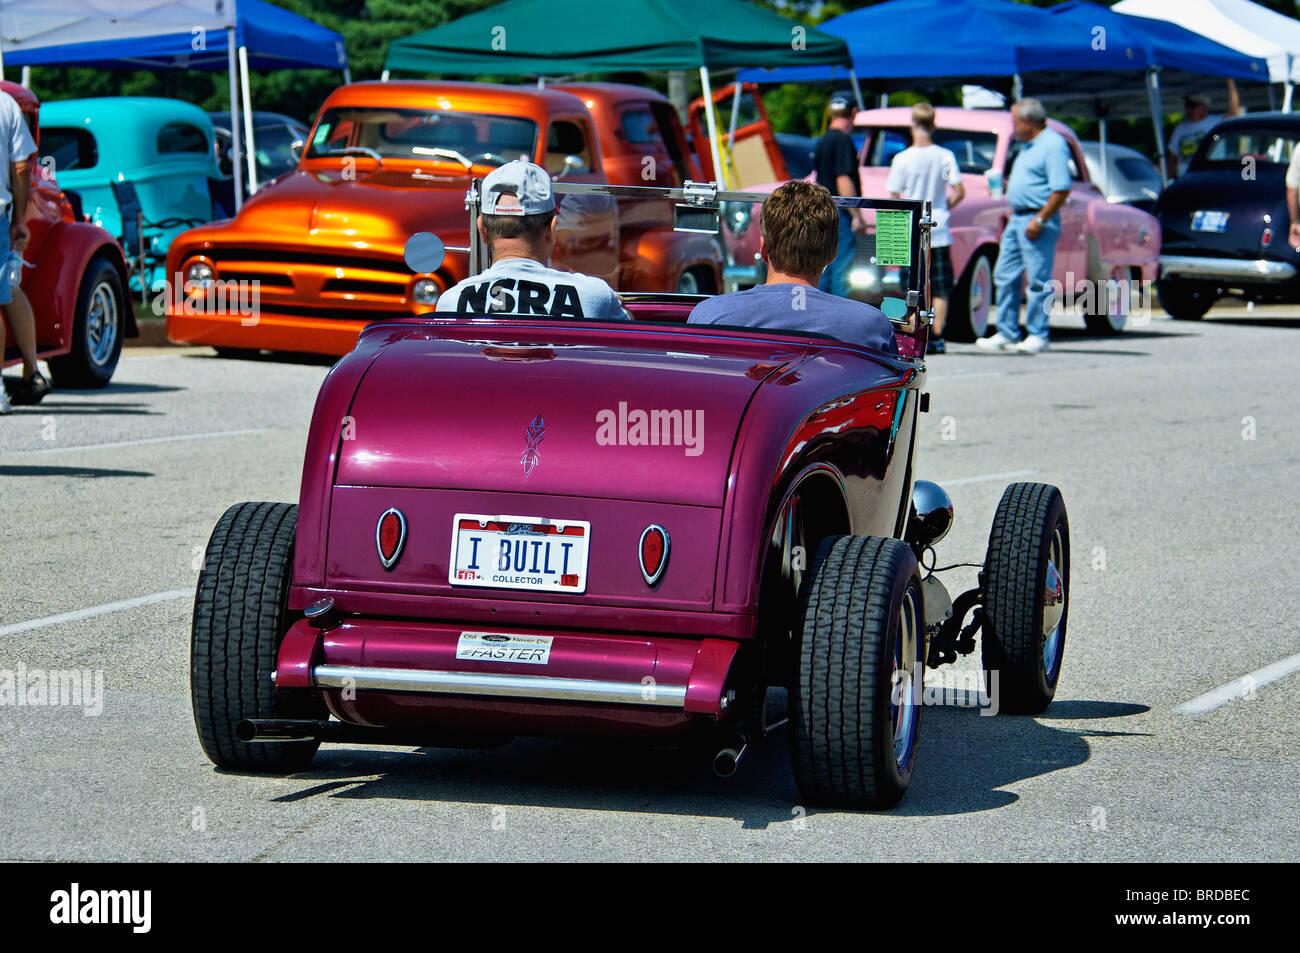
[(1207, 221), (519, 552)]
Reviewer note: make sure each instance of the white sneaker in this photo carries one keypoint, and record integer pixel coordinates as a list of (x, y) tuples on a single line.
[(4, 403), (1032, 344), (998, 342)]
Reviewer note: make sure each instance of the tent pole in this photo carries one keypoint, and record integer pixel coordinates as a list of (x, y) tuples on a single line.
[(236, 145), (734, 178), (1101, 156), (383, 77), (27, 77), (1017, 88), (1157, 120), (249, 142), (857, 90), (1286, 91), (712, 120), (347, 76)]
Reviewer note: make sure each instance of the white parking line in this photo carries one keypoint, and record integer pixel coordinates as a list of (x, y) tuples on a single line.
[(1009, 475), (1240, 687), (138, 443), (108, 607)]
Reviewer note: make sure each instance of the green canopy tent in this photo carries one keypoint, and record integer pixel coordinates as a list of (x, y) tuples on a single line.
[(549, 37)]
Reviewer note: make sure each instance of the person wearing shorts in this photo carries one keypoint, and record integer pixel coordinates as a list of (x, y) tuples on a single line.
[(925, 171)]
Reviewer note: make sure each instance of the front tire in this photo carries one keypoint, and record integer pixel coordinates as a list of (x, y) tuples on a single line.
[(855, 705), (1027, 568), (240, 618), (1186, 300), (97, 330)]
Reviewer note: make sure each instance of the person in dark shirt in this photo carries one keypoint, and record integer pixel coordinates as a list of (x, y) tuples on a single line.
[(835, 161), (796, 239)]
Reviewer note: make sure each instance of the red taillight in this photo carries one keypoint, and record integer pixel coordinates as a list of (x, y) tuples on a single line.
[(390, 537), (1266, 239), (654, 553)]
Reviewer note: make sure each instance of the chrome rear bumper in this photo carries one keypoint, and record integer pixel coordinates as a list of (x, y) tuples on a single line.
[(1257, 270), (499, 686)]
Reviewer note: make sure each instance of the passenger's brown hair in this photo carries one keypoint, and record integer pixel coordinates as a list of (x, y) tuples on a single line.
[(800, 228)]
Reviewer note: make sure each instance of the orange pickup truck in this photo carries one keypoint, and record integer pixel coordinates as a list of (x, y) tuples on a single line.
[(318, 252)]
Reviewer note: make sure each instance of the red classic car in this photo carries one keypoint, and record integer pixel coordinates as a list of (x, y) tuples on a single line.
[(74, 275), (320, 249), (1103, 251), (518, 527)]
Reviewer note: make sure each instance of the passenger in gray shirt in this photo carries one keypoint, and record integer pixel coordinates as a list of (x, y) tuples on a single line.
[(798, 231)]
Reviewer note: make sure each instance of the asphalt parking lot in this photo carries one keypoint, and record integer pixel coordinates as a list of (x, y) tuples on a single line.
[(1175, 446)]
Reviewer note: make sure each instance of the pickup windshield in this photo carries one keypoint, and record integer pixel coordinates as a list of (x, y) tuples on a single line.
[(423, 134), (1234, 145)]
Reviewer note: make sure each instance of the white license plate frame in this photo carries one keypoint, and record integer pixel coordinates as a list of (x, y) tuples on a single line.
[(556, 553)]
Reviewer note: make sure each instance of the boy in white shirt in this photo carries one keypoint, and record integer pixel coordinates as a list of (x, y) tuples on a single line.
[(925, 171)]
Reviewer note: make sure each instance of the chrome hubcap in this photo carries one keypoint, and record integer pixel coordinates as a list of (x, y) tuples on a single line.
[(1053, 607), (906, 680), (981, 283), (687, 285), (101, 323), (1117, 307)]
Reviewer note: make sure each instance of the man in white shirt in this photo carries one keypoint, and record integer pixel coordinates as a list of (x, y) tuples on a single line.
[(1189, 133), (19, 146), (518, 226), (926, 171)]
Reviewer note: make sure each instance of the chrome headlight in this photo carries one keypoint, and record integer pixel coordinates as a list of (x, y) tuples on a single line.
[(738, 216), (200, 273), (426, 291)]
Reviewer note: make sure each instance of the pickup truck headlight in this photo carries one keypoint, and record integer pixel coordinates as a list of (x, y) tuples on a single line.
[(200, 273), (737, 215), (426, 291)]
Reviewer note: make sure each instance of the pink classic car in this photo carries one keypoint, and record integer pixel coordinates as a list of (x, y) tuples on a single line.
[(515, 525), (1103, 250)]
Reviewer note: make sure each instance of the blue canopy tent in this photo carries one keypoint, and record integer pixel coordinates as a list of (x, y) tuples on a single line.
[(236, 35), (1081, 57)]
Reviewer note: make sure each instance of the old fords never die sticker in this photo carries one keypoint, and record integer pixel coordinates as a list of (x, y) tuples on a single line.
[(498, 647)]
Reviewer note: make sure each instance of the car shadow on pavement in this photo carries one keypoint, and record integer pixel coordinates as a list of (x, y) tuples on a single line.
[(92, 472), (105, 409), (965, 761)]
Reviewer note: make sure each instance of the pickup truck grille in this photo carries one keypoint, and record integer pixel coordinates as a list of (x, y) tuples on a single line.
[(323, 259)]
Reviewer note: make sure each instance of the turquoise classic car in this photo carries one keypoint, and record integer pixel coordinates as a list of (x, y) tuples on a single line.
[(128, 153)]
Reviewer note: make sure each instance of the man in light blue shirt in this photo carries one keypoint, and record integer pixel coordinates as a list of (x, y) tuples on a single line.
[(1038, 187)]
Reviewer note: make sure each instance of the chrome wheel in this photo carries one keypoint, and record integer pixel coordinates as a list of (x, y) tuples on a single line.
[(906, 679), (688, 284), (980, 299), (102, 324), (1054, 596), (1118, 299)]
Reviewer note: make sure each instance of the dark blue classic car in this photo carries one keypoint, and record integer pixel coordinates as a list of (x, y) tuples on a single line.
[(1225, 221)]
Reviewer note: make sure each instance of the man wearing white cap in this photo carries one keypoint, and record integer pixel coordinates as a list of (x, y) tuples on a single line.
[(518, 226)]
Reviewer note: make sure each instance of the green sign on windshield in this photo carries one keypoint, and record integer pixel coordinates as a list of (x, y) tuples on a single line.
[(893, 238)]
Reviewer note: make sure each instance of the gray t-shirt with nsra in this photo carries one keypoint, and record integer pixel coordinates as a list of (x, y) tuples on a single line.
[(791, 307), (525, 286)]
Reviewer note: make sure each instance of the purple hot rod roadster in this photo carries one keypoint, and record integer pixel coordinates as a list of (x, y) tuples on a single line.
[(512, 525)]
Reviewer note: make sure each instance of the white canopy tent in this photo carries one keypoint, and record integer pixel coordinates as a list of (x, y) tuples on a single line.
[(1240, 24), (173, 34)]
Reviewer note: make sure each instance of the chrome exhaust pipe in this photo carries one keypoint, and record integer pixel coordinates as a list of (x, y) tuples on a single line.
[(273, 730), (727, 760)]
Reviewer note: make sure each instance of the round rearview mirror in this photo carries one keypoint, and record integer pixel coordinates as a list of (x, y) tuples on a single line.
[(895, 309), (424, 253)]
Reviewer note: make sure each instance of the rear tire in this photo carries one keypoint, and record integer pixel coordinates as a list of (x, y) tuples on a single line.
[(855, 723), (1110, 311), (97, 330), (971, 308), (1186, 300), (1021, 651), (240, 618)]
